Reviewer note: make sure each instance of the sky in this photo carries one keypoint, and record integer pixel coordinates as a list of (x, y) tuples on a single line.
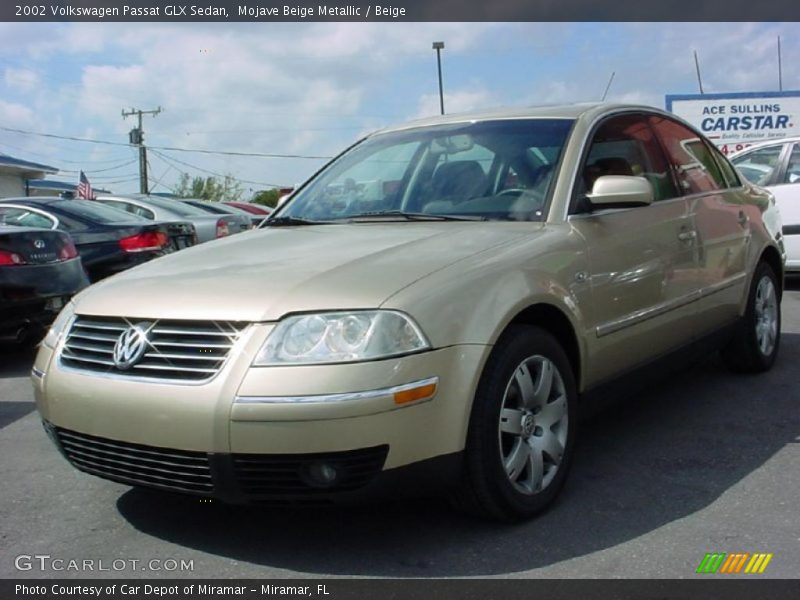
[(311, 89)]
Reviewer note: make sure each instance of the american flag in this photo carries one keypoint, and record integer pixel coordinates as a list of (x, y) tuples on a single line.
[(85, 190)]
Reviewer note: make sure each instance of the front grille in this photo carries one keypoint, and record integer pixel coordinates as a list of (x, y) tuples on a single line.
[(135, 464), (176, 350), (270, 474)]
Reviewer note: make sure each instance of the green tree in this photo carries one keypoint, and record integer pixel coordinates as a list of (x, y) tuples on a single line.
[(267, 197), (208, 188)]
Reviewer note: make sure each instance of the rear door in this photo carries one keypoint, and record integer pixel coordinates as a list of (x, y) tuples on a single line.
[(640, 261), (719, 221)]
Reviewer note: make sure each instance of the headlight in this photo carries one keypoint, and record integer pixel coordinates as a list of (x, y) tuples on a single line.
[(338, 337), (57, 328)]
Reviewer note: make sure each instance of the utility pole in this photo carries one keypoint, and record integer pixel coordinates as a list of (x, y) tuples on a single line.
[(439, 46), (136, 138), (697, 68)]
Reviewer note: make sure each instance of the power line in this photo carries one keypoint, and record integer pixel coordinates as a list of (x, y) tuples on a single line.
[(92, 171), (170, 148), (170, 160)]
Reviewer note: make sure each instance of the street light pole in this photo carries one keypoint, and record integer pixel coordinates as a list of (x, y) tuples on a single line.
[(439, 46)]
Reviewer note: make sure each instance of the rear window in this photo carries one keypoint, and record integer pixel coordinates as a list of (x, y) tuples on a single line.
[(94, 211), (178, 207)]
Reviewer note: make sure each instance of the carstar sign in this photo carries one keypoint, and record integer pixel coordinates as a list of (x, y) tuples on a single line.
[(734, 121)]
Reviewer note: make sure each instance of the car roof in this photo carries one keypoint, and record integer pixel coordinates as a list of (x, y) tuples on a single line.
[(32, 199), (773, 142), (20, 229), (549, 111)]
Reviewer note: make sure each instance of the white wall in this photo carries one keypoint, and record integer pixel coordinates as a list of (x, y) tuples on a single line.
[(11, 186)]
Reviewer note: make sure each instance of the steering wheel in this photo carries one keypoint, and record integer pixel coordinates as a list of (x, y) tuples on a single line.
[(510, 191)]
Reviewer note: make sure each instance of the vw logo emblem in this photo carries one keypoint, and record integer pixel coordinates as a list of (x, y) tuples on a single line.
[(131, 346), (39, 244)]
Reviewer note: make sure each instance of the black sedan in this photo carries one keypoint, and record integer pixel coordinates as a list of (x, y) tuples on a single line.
[(108, 240), (40, 270)]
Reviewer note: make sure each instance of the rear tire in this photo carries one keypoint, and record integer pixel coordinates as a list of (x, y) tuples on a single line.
[(522, 428), (755, 346)]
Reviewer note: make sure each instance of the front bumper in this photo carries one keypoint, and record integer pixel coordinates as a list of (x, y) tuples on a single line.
[(287, 479), (294, 416)]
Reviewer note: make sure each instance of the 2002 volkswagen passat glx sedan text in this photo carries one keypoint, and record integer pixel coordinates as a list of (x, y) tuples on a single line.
[(435, 303)]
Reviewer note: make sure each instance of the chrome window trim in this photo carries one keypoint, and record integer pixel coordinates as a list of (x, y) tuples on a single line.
[(52, 218), (644, 110), (342, 397)]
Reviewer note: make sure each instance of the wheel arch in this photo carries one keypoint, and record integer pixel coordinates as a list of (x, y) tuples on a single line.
[(555, 321), (772, 257)]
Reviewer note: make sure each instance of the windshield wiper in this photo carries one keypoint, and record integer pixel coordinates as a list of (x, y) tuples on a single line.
[(411, 216), (291, 221)]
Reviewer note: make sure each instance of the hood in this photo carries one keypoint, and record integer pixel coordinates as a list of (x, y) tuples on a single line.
[(264, 274)]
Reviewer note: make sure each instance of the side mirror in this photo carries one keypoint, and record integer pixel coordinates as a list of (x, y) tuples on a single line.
[(621, 191)]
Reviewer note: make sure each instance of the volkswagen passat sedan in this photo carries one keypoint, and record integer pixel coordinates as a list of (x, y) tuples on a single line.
[(434, 306)]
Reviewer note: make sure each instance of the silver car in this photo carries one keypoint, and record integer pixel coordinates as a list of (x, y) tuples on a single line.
[(243, 219), (208, 226)]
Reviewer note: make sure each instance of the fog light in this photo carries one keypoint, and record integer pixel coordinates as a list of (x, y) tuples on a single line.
[(320, 474)]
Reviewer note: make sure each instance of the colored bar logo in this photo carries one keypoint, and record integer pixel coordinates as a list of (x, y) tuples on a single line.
[(733, 563)]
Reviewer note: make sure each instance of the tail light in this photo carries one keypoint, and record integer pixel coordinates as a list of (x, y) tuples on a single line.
[(222, 228), (142, 242), (10, 258), (68, 252)]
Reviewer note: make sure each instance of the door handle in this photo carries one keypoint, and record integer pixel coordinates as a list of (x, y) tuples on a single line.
[(687, 236), (743, 218)]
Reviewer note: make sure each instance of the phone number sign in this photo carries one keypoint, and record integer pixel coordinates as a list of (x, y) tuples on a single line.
[(734, 121)]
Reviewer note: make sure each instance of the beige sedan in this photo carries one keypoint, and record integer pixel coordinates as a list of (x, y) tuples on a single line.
[(426, 313)]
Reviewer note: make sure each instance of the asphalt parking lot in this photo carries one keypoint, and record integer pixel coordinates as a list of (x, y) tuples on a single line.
[(701, 462)]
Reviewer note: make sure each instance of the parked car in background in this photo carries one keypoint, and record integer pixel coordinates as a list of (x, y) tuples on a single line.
[(427, 312), (108, 240), (775, 165), (40, 271), (256, 209), (244, 220), (158, 208)]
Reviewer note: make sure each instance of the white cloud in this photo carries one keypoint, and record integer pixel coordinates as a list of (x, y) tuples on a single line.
[(21, 79), (17, 115), (311, 88)]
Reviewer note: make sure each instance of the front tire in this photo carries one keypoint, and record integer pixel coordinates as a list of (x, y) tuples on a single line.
[(522, 428), (755, 347)]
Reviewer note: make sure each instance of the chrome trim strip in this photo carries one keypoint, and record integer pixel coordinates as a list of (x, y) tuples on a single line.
[(664, 307), (725, 283), (645, 314), (345, 397)]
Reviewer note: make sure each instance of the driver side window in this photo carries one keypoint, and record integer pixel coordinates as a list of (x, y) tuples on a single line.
[(625, 145)]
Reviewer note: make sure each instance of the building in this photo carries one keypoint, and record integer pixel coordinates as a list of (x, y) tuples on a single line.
[(49, 187), (15, 173)]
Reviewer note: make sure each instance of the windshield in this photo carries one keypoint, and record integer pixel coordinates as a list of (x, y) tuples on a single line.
[(494, 170), (99, 213)]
